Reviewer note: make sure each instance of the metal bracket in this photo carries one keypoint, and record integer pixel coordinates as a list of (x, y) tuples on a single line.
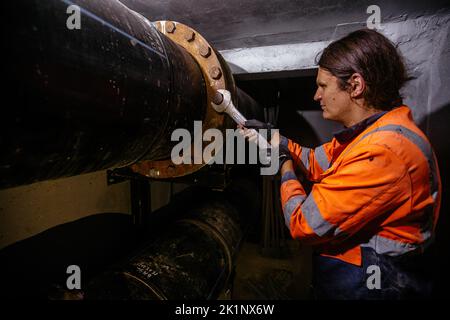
[(216, 177)]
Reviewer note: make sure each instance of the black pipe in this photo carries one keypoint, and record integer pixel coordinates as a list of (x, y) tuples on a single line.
[(105, 95), (82, 100), (194, 259), (191, 255)]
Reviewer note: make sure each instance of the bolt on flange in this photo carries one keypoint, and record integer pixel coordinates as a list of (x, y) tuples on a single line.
[(170, 27), (205, 51), (215, 73)]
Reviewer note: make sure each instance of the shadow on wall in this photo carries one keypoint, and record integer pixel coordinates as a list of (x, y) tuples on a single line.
[(438, 131)]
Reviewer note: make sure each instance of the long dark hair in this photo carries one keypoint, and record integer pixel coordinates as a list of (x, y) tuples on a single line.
[(375, 57)]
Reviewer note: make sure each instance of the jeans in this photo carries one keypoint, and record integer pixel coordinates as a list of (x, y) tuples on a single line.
[(404, 277)]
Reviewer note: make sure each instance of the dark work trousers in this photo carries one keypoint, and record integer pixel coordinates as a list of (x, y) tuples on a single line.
[(403, 277)]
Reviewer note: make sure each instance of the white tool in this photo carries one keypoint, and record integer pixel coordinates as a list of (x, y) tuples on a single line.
[(222, 103)]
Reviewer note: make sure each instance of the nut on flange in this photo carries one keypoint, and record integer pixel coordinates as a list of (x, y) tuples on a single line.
[(218, 98), (205, 51), (170, 27), (215, 73), (189, 36)]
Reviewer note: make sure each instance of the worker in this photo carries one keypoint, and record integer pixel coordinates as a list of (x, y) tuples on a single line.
[(373, 207)]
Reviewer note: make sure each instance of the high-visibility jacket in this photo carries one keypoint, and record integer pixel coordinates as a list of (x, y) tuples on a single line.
[(381, 189)]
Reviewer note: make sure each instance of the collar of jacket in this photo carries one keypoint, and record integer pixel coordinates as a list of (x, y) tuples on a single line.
[(347, 134)]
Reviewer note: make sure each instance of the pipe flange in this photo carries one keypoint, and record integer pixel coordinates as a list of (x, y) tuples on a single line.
[(213, 74)]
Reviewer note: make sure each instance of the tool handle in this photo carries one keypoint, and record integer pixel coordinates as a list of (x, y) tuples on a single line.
[(223, 103)]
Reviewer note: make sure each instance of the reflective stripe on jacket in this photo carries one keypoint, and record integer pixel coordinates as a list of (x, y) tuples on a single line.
[(381, 190)]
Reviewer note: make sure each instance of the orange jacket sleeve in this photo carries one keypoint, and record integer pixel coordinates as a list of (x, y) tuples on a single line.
[(369, 182), (315, 161)]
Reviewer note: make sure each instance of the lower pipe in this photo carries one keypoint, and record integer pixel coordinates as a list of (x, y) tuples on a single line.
[(193, 259)]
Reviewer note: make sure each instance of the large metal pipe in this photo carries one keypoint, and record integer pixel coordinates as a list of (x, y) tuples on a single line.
[(105, 95), (193, 257)]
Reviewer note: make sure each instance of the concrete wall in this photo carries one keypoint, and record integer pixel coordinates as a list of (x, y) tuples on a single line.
[(424, 43), (28, 210), (255, 23)]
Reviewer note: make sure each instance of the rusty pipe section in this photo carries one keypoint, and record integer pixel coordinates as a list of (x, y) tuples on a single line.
[(106, 94)]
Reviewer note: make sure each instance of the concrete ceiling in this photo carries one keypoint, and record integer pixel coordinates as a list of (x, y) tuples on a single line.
[(249, 23)]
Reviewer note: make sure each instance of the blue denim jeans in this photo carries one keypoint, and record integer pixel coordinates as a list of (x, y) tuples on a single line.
[(403, 277)]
